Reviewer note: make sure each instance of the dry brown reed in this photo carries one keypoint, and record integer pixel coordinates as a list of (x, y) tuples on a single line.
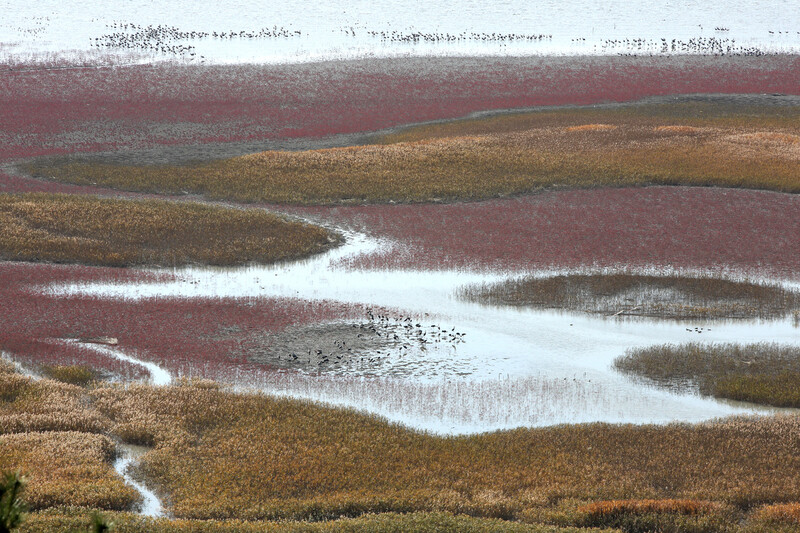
[(66, 468), (683, 130), (59, 520), (80, 375), (74, 229), (290, 459), (50, 434), (763, 373), (498, 156), (603, 509), (592, 127), (782, 512), (634, 516), (30, 406), (219, 455), (672, 296)]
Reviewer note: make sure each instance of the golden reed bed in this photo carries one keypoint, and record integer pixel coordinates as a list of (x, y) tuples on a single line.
[(219, 455), (689, 144), (87, 230)]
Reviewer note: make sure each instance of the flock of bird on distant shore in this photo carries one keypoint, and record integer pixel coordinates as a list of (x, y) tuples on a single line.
[(162, 39), (698, 45), (436, 37), (171, 40)]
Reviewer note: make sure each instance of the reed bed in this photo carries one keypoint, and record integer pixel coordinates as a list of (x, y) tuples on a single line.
[(74, 229), (66, 468), (782, 512), (673, 296), (765, 373), (224, 456), (687, 117), (289, 459), (34, 406), (500, 156), (80, 375), (50, 433), (59, 520), (644, 516)]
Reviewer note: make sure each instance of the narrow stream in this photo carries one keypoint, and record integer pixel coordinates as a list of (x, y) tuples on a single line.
[(515, 367), (158, 376), (129, 454)]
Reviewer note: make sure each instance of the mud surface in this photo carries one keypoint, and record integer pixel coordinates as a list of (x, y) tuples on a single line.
[(379, 344)]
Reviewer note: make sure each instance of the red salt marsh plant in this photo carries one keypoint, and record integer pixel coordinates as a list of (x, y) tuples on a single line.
[(718, 231), (185, 335), (50, 112), (478, 159)]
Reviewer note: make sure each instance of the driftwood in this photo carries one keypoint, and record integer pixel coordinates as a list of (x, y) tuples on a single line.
[(111, 341), (624, 310)]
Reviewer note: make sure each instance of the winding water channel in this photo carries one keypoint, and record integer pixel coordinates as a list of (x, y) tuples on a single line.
[(515, 367)]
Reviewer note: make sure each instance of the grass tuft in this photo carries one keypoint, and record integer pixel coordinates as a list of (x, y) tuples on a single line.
[(80, 375), (764, 373), (74, 229), (676, 297)]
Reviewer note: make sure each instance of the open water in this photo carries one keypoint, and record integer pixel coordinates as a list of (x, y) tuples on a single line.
[(303, 30)]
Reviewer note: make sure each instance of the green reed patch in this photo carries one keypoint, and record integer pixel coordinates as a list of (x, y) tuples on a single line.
[(764, 373), (678, 297), (108, 232)]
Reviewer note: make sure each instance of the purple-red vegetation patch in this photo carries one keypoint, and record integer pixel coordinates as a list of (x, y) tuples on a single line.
[(721, 230), (187, 336), (95, 109)]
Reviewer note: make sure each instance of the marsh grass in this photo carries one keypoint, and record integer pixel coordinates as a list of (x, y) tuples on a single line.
[(59, 520), (46, 405), (643, 516), (677, 297), (289, 459), (497, 156), (75, 229), (50, 433), (224, 456), (764, 373), (80, 375)]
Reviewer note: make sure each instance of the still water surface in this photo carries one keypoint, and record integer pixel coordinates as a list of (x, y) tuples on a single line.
[(516, 367)]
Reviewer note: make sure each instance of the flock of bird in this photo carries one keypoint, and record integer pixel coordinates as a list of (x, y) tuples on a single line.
[(394, 336), (436, 37), (698, 45), (166, 39), (171, 40)]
